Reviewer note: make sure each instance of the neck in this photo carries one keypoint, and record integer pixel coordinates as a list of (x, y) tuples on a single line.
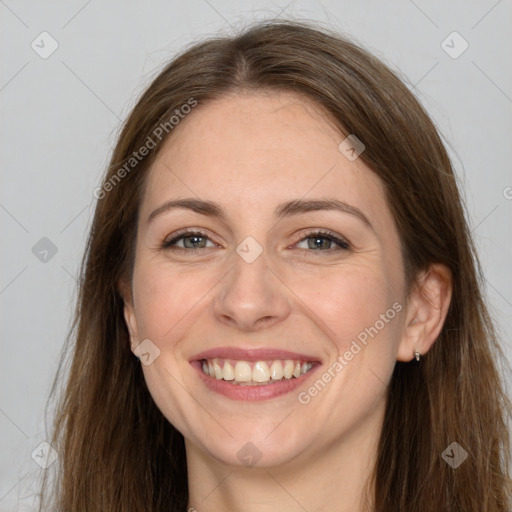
[(333, 478)]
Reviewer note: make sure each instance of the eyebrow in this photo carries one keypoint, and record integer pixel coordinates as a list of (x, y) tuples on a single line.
[(295, 207)]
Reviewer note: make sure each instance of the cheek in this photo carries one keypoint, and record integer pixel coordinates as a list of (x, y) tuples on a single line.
[(360, 314), (165, 298), (352, 303)]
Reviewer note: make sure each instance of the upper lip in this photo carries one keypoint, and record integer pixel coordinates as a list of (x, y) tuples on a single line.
[(244, 354)]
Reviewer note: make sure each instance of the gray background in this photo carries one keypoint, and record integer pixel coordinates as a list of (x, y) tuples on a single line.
[(60, 116)]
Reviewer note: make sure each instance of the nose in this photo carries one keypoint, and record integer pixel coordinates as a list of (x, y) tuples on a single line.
[(251, 297)]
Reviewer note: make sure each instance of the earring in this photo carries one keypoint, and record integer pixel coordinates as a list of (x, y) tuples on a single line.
[(417, 355)]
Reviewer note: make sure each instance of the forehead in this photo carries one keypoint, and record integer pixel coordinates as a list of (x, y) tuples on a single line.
[(253, 151)]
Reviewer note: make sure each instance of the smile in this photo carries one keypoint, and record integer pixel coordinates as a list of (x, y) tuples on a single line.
[(246, 373), (253, 374)]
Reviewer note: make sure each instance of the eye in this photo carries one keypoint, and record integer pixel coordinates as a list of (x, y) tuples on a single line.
[(188, 240), (323, 242), (316, 241)]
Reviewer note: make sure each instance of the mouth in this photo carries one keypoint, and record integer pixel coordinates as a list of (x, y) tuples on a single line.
[(259, 373), (253, 374)]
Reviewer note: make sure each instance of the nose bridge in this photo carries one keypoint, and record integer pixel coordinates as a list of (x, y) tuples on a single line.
[(251, 292)]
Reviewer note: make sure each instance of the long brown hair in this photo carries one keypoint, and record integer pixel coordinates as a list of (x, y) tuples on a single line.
[(117, 452)]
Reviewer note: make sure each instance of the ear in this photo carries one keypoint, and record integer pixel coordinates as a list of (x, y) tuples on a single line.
[(125, 291), (427, 308)]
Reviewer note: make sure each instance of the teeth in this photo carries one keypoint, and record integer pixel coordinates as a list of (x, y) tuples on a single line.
[(305, 368), (243, 372), (276, 370), (228, 373), (261, 372), (218, 370), (288, 369)]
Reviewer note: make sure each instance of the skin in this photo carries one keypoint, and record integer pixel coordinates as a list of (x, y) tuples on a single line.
[(250, 153)]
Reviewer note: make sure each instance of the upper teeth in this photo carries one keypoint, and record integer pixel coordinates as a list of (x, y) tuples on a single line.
[(259, 371)]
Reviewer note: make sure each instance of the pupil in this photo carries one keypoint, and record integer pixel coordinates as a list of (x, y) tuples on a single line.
[(194, 240), (323, 242)]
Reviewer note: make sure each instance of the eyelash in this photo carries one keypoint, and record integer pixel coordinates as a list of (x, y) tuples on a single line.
[(329, 235)]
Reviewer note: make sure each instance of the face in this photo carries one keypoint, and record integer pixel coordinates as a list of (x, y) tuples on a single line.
[(288, 251)]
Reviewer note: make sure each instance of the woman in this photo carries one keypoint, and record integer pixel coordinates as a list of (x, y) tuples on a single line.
[(280, 305)]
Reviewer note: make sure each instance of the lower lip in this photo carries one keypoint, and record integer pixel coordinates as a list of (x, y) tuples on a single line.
[(249, 393)]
